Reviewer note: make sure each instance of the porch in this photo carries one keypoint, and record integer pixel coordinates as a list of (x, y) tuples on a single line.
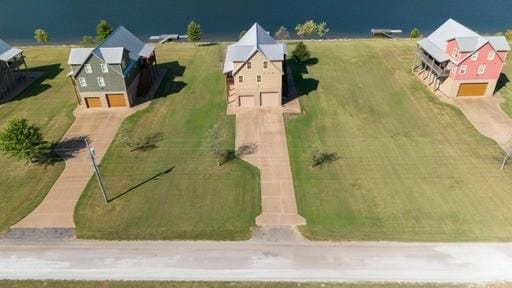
[(430, 70)]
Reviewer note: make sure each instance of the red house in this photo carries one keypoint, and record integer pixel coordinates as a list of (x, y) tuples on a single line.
[(457, 61)]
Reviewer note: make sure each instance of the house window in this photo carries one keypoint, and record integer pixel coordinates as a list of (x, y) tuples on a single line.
[(101, 81), (249, 65), (82, 82), (463, 69), (474, 57), (481, 69), (491, 55), (240, 79), (104, 68), (258, 79), (265, 65), (455, 53), (88, 68)]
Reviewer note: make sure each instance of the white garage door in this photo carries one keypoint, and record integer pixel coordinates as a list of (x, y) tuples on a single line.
[(246, 101), (270, 99)]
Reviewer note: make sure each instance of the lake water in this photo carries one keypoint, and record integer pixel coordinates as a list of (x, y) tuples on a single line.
[(68, 20)]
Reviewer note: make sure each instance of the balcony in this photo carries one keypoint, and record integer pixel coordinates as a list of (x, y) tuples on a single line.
[(438, 68)]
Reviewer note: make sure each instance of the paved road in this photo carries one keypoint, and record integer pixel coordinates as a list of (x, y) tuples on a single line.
[(255, 260)]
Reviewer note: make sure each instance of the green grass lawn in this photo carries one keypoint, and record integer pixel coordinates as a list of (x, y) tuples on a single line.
[(105, 284), (48, 103), (505, 88), (411, 167), (196, 200)]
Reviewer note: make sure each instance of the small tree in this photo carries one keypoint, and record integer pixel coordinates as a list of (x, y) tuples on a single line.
[(242, 34), (87, 41), (103, 30), (308, 29), (215, 143), (282, 33), (415, 33), (41, 36), (194, 32), (322, 30), (24, 141), (508, 34), (301, 53)]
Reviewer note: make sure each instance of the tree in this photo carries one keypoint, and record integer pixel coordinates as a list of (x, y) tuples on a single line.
[(24, 141), (282, 33), (508, 34), (415, 33), (215, 143), (87, 41), (301, 53), (242, 34), (308, 29), (41, 36), (322, 30), (103, 30), (194, 32)]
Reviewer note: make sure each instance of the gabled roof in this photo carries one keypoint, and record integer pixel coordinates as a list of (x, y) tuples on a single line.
[(467, 40), (7, 52), (256, 39), (112, 49)]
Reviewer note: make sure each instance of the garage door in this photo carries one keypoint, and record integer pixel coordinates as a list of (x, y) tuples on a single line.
[(246, 101), (93, 102), (270, 99), (472, 89), (116, 100)]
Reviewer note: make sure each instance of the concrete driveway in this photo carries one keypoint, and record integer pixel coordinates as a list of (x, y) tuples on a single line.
[(257, 261), (264, 129)]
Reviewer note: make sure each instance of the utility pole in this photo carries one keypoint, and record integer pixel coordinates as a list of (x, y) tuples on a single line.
[(92, 154)]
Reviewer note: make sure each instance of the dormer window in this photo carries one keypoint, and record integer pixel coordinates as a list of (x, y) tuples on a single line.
[(88, 68), (474, 57), (491, 55), (249, 65), (265, 65), (104, 68), (455, 53)]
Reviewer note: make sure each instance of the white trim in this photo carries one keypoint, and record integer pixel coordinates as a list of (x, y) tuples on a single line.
[(104, 67), (474, 56), (491, 56), (82, 81), (481, 69), (88, 68), (463, 70), (101, 81), (455, 53)]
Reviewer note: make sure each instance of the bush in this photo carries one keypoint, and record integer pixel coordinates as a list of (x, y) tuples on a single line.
[(301, 53), (508, 34), (24, 141), (415, 33), (87, 41), (41, 36)]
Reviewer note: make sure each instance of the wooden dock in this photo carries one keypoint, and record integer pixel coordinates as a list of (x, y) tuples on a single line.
[(165, 38), (387, 33)]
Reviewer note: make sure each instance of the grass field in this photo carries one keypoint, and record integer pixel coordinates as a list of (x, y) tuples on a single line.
[(194, 200), (103, 284), (411, 167), (506, 89), (48, 103)]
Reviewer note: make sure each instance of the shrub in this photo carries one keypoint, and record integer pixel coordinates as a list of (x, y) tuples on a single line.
[(415, 33), (508, 34), (301, 53), (321, 158)]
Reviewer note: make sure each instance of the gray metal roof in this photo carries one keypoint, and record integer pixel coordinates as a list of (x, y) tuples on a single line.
[(467, 40), (112, 49), (7, 52), (77, 56), (256, 39)]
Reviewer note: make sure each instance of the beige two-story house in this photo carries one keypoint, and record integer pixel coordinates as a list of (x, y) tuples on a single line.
[(255, 70)]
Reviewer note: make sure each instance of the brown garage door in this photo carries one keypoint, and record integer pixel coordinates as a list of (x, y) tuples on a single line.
[(472, 89), (93, 102), (270, 99), (246, 101), (116, 100)]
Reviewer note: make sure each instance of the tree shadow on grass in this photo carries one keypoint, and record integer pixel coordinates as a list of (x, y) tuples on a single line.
[(152, 178), (502, 82), (67, 148), (300, 86)]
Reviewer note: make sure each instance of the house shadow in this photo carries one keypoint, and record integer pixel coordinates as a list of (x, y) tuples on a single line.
[(35, 81), (503, 80), (299, 86), (169, 85), (155, 177)]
